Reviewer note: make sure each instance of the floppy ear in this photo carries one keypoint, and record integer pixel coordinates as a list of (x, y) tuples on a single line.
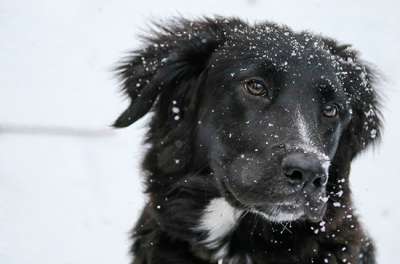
[(174, 53), (359, 82), (365, 125)]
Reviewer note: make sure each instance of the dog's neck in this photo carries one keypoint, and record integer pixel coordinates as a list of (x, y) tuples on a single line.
[(226, 227)]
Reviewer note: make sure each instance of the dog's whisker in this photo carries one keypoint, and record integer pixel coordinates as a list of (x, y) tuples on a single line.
[(285, 228)]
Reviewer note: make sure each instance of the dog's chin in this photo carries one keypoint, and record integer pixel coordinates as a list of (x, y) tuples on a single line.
[(280, 213), (289, 212), (284, 211)]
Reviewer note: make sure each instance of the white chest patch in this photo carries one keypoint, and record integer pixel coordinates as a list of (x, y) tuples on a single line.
[(218, 220)]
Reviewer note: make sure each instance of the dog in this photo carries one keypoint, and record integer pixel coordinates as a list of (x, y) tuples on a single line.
[(253, 131)]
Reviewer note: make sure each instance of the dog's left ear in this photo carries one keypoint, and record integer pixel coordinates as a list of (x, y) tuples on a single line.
[(174, 54), (359, 81)]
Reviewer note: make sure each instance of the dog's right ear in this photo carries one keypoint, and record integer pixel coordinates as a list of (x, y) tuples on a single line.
[(173, 53), (360, 83)]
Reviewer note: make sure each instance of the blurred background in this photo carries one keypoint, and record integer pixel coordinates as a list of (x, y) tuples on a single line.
[(70, 186)]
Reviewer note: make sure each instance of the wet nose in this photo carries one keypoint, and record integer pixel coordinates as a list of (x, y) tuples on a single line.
[(305, 170)]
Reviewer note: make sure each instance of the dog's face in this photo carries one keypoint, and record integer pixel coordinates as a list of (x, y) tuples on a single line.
[(268, 108), (272, 126)]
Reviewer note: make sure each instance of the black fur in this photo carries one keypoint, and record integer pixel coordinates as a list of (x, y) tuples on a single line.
[(195, 67)]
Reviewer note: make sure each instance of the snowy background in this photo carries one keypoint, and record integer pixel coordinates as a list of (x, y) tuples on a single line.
[(70, 187)]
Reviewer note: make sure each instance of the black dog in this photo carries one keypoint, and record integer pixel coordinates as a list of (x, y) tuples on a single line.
[(253, 133)]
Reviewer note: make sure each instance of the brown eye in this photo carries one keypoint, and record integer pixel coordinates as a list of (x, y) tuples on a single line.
[(255, 87), (331, 110)]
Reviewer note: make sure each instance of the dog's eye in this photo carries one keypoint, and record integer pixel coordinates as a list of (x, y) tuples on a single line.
[(330, 110), (256, 87)]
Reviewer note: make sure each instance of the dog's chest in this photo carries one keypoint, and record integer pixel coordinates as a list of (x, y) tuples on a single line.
[(218, 221)]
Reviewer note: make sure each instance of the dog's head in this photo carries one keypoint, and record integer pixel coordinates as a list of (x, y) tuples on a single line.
[(272, 113)]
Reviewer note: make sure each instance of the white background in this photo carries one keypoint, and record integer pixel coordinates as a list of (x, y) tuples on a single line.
[(73, 199)]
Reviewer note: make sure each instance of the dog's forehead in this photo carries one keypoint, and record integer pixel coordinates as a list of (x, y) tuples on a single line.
[(278, 45), (304, 59), (296, 62)]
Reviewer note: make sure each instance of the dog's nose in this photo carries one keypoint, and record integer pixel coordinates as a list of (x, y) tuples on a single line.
[(305, 170)]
